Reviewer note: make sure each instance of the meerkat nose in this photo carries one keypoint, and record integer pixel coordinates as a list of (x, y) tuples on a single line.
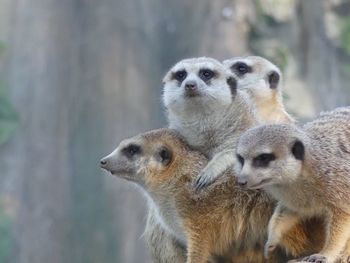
[(103, 162), (191, 85), (242, 182)]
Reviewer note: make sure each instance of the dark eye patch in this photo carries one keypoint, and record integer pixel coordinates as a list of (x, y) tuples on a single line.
[(263, 160), (240, 159), (179, 75), (232, 83), (206, 74), (131, 150), (241, 68)]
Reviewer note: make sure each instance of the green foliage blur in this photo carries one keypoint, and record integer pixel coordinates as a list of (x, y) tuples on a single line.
[(345, 35), (6, 236), (8, 115), (8, 123)]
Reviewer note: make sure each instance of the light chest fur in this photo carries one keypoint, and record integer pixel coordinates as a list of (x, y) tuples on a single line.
[(167, 215), (214, 131)]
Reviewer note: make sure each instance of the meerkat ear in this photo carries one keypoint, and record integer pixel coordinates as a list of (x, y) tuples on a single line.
[(274, 78), (298, 150), (164, 155), (232, 83)]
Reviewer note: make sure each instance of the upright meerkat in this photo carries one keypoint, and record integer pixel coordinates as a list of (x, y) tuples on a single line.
[(266, 94), (308, 170), (225, 220), (263, 81), (205, 106)]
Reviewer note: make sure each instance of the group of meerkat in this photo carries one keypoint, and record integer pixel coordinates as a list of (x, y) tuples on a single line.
[(234, 178)]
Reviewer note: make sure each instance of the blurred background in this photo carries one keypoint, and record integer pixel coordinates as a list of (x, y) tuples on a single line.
[(77, 76)]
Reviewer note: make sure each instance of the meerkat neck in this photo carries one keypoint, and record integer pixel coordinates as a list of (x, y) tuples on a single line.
[(208, 130), (266, 109), (164, 204), (302, 194)]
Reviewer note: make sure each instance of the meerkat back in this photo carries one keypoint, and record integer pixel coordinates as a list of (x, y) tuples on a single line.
[(335, 124), (262, 81)]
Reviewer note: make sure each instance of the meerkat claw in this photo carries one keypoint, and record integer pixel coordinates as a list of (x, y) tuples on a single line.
[(268, 249), (201, 182), (317, 258)]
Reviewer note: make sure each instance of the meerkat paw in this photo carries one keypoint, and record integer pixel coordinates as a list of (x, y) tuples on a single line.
[(294, 261), (317, 258), (205, 178), (270, 246)]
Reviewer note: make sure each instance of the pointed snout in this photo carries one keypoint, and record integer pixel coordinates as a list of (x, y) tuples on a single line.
[(103, 162), (106, 163), (115, 163)]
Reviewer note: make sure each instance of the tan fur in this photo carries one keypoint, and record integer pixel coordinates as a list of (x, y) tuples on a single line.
[(224, 220), (267, 104), (267, 101), (310, 176)]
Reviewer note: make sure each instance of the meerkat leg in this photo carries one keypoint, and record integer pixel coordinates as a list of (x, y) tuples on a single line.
[(280, 223), (338, 233), (216, 166), (198, 251), (345, 258)]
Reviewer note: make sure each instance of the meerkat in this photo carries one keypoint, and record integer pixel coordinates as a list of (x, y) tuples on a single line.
[(223, 221), (262, 80), (205, 106), (307, 170)]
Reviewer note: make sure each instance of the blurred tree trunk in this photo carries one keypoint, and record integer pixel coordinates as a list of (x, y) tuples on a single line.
[(319, 64), (39, 75)]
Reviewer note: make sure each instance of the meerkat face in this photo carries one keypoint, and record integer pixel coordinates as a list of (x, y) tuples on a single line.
[(269, 155), (150, 159), (257, 75), (197, 84)]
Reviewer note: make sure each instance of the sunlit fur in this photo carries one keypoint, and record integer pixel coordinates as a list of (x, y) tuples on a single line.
[(211, 122), (269, 102), (224, 220), (316, 185)]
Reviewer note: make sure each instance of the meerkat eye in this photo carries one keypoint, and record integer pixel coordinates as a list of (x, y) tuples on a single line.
[(240, 159), (206, 74), (241, 68), (180, 75), (263, 160), (164, 156), (131, 150)]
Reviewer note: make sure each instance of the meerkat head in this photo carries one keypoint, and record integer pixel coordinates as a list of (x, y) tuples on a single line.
[(261, 79), (256, 73), (197, 85), (269, 155), (153, 159)]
